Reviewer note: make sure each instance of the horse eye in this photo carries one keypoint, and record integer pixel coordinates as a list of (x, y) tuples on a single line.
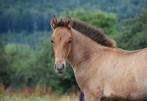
[(52, 41)]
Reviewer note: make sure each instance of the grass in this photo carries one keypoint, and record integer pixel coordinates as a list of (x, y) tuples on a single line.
[(34, 94), (35, 98)]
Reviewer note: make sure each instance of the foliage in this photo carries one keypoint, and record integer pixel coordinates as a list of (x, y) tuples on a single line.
[(134, 33), (34, 39), (29, 67), (21, 58), (4, 71), (32, 15)]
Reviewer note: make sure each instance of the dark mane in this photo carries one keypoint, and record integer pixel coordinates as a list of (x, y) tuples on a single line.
[(90, 31)]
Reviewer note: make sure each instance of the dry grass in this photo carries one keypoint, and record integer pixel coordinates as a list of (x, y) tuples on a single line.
[(34, 98), (38, 93)]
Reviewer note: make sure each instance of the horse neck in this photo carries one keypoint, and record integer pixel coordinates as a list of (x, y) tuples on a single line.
[(83, 48)]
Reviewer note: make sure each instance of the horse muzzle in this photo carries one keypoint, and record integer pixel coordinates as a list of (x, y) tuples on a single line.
[(59, 68)]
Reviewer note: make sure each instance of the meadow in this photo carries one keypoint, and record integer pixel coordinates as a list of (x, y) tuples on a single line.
[(34, 98), (37, 93)]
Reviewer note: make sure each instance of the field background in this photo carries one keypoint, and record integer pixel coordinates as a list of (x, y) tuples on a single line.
[(26, 56)]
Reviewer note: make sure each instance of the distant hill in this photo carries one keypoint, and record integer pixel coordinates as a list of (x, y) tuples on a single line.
[(33, 15)]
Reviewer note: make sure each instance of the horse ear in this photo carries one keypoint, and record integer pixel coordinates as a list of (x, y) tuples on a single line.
[(53, 22), (69, 24)]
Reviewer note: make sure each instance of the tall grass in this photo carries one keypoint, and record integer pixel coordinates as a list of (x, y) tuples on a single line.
[(33, 94), (34, 98)]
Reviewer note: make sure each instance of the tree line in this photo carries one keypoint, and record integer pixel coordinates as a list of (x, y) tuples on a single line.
[(31, 15)]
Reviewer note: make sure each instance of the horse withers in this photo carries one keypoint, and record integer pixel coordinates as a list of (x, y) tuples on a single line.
[(100, 70)]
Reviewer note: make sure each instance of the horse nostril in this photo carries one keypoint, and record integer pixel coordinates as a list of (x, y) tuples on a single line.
[(59, 67)]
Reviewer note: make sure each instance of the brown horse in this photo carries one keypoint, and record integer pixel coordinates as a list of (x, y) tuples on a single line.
[(100, 70)]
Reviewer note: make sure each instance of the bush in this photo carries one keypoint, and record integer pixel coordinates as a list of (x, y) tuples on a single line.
[(134, 33)]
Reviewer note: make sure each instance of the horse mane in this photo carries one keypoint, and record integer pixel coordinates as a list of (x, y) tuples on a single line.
[(93, 33)]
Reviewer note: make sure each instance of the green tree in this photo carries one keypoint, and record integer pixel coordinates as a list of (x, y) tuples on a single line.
[(134, 33), (4, 71), (20, 60)]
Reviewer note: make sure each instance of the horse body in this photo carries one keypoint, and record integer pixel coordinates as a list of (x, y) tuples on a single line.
[(108, 71), (103, 71)]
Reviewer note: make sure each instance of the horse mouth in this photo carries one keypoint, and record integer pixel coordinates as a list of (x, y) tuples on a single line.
[(59, 72)]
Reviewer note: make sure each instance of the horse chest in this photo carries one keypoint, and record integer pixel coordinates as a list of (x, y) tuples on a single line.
[(83, 77)]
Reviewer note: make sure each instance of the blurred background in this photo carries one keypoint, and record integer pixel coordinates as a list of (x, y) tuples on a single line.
[(26, 56)]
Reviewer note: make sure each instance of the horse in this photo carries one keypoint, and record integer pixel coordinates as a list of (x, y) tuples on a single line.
[(111, 43), (101, 69)]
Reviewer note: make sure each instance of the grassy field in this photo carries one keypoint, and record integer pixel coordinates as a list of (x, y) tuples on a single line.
[(35, 98), (37, 93)]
